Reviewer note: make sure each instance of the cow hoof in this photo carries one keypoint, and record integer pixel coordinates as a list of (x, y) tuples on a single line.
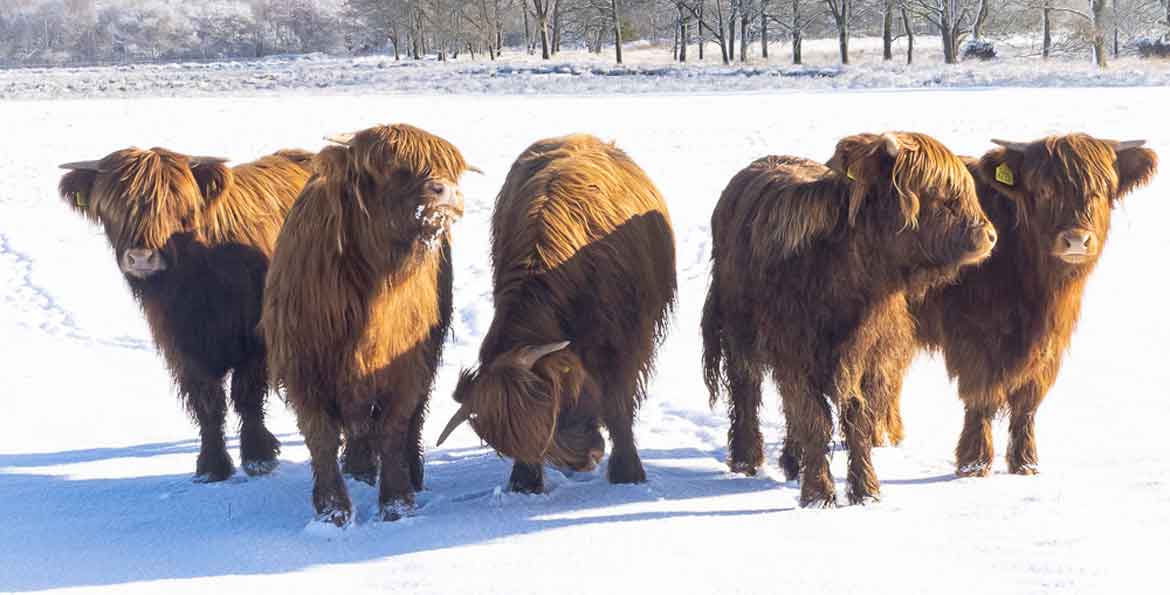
[(1025, 469), (829, 501), (258, 444), (520, 487), (211, 477), (626, 472), (975, 469), (864, 499), (395, 511), (258, 468), (342, 519), (743, 468), (210, 468)]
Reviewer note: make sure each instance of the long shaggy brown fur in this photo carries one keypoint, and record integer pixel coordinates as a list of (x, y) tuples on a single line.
[(813, 268), (582, 251), (214, 229), (357, 305), (1004, 327)]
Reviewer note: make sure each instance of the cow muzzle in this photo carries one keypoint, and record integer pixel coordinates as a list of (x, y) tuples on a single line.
[(980, 241), (140, 263), (1076, 246)]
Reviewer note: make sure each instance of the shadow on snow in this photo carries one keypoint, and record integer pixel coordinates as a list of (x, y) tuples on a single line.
[(122, 530)]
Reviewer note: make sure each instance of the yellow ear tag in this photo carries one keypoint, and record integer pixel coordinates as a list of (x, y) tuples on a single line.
[(79, 200), (1004, 175), (849, 174), (566, 370)]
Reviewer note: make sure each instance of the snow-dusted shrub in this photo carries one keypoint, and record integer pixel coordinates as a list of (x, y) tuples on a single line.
[(1152, 47), (979, 49)]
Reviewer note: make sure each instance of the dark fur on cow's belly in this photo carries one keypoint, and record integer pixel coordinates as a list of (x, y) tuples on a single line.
[(203, 311)]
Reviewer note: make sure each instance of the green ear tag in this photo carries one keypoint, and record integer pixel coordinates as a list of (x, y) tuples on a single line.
[(79, 200), (1004, 175)]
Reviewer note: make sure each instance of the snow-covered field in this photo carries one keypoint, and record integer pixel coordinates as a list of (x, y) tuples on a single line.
[(647, 69), (96, 454)]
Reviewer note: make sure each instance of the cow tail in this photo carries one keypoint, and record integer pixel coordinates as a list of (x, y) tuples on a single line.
[(712, 326)]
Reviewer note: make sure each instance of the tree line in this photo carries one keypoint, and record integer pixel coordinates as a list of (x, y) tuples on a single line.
[(84, 31)]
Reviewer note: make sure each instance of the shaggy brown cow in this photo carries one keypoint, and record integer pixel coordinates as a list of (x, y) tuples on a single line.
[(583, 261), (812, 271), (193, 239), (358, 303), (1004, 327)]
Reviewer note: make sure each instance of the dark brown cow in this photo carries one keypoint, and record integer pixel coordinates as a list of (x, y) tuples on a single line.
[(193, 239), (583, 261), (357, 306), (812, 271), (1004, 327)]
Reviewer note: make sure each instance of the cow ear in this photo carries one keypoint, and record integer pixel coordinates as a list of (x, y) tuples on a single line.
[(75, 188), (1135, 167), (212, 176), (1001, 169), (864, 160)]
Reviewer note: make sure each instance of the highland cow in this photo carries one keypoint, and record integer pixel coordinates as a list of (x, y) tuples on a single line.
[(813, 269), (357, 306), (584, 278), (193, 239), (1004, 326)]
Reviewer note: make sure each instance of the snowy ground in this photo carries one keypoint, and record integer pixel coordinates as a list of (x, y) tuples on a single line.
[(96, 454), (647, 69)]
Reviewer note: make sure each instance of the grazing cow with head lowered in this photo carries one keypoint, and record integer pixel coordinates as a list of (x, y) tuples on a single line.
[(813, 268), (193, 238), (584, 277), (1004, 327), (357, 306)]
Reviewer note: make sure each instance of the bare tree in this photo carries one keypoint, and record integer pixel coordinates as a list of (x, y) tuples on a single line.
[(951, 17), (888, 7), (841, 10)]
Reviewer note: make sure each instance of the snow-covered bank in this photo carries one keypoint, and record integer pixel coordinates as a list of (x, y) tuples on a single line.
[(647, 70), (96, 453)]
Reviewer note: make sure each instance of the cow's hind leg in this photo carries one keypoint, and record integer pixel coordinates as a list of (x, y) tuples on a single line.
[(526, 478), (791, 453), (745, 443), (1021, 455), (857, 424), (812, 420), (975, 450), (413, 446), (395, 487), (359, 459), (323, 438), (258, 447), (205, 398)]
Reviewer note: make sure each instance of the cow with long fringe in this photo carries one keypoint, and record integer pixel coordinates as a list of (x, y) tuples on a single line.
[(584, 278), (193, 239), (1004, 326), (357, 306), (813, 271)]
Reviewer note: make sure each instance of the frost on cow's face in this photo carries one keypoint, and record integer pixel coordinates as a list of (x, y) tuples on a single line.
[(146, 201), (1064, 189), (403, 179)]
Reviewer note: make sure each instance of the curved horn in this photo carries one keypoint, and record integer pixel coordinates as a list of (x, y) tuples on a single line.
[(460, 416), (1011, 145), (1126, 145), (81, 165), (529, 355), (344, 139), (474, 169), (205, 160), (890, 144)]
